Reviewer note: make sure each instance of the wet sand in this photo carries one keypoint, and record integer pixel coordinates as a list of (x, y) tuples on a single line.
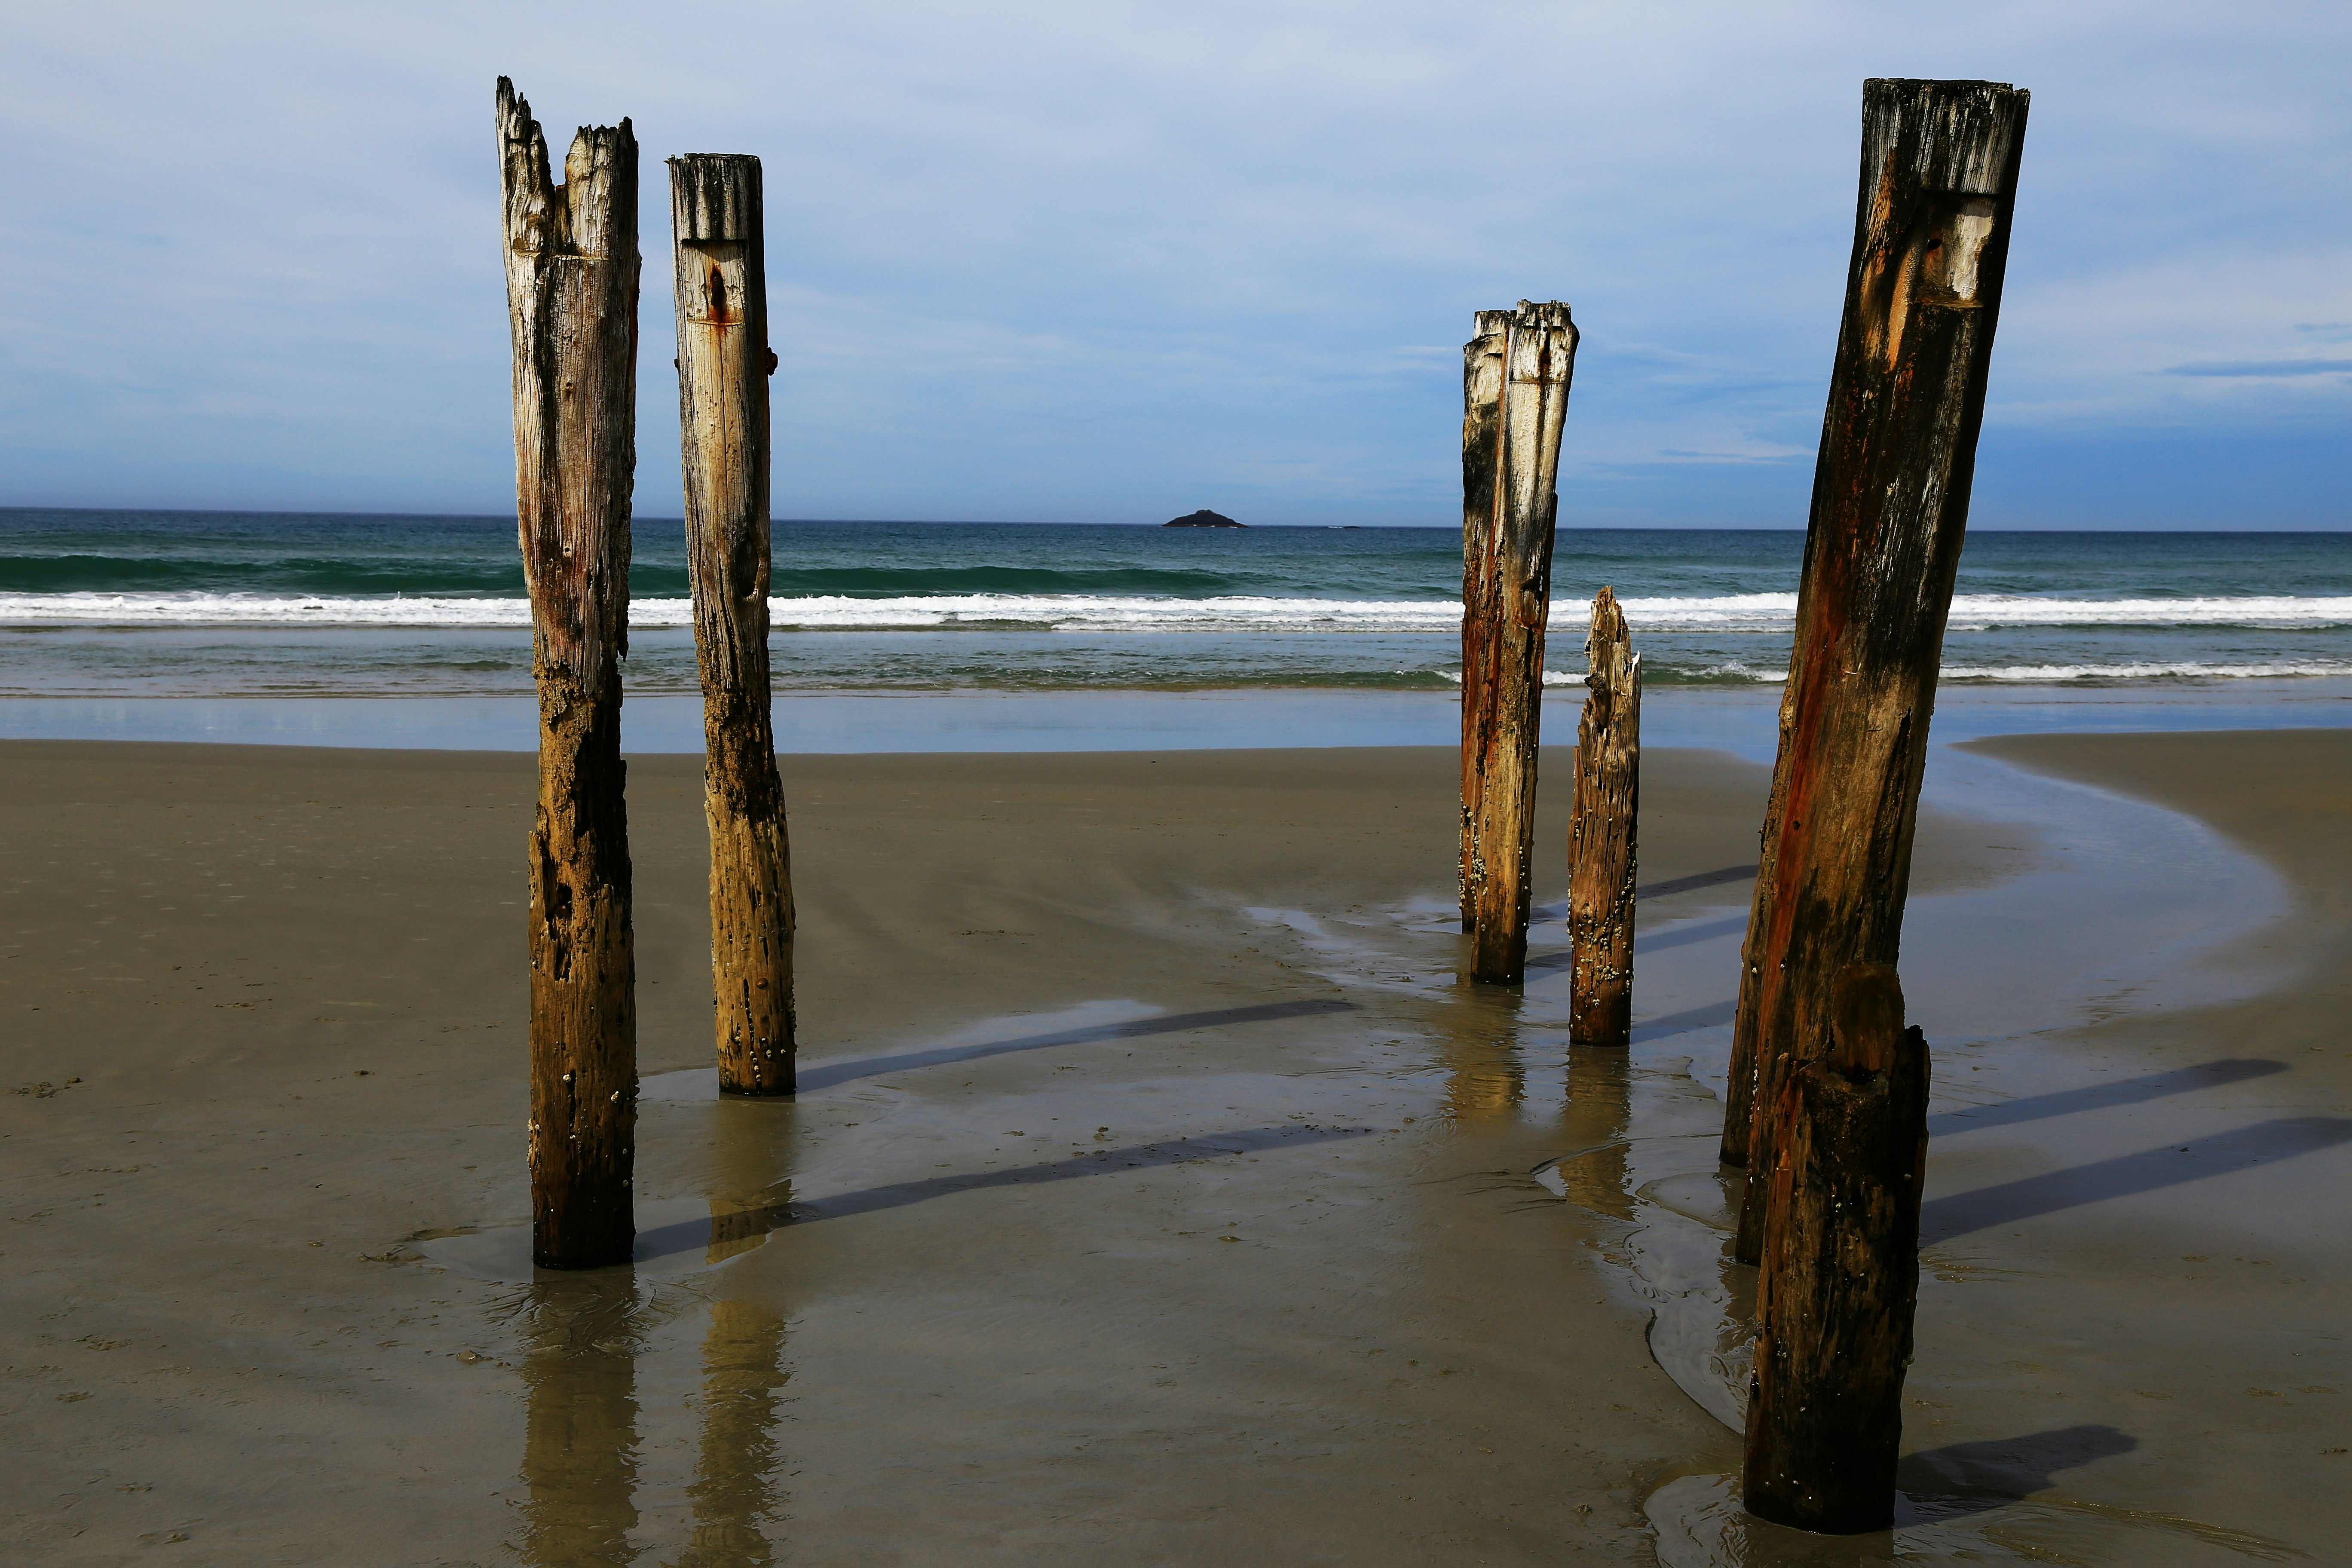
[(1156, 1188), (2131, 1346)]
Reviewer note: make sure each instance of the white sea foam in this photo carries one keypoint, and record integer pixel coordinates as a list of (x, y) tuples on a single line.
[(260, 610), (1103, 613), (2182, 669), (1550, 676), (1733, 613), (2023, 674), (1989, 612), (826, 613), (1984, 612)]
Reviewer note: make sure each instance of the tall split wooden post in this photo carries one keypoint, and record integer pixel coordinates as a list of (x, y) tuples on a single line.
[(572, 299), (1601, 835), (723, 365), (1515, 381), (1890, 506), (1938, 183)]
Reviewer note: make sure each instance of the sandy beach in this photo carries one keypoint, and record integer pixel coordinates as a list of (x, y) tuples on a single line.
[(1156, 1189)]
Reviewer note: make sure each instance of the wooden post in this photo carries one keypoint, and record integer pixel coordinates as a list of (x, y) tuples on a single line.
[(1601, 835), (1890, 504), (1515, 381), (1739, 1088), (572, 297), (1481, 424), (723, 365), (1841, 1276)]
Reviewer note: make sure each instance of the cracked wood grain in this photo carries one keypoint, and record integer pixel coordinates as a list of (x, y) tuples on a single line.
[(571, 301), (1938, 180), (1601, 835), (1514, 381), (723, 365)]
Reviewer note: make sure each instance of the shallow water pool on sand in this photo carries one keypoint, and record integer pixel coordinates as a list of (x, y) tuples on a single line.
[(1737, 721)]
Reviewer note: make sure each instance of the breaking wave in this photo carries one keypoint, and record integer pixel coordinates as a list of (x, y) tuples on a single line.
[(1762, 614)]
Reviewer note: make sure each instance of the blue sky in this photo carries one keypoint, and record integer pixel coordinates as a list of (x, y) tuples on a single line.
[(1111, 262)]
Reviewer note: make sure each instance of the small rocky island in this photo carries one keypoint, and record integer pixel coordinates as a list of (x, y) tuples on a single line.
[(1203, 518)]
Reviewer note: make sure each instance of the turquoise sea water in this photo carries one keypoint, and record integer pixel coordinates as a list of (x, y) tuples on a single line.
[(96, 604)]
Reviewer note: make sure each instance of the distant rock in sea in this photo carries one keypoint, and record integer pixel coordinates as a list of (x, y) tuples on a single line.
[(1203, 518)]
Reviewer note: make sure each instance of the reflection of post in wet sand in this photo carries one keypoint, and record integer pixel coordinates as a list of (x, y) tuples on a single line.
[(1484, 1075), (734, 1491), (580, 1432), (579, 1426), (739, 1225), (750, 1181), (1596, 1122), (579, 1441)]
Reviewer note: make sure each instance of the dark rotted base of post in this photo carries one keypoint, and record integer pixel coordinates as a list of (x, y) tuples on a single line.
[(603, 1243), (1840, 1277), (1613, 1031), (1497, 964)]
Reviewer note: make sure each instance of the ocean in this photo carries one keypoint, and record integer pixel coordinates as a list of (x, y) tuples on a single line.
[(147, 604)]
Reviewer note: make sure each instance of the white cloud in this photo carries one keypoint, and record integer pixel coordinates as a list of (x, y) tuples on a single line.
[(1088, 260)]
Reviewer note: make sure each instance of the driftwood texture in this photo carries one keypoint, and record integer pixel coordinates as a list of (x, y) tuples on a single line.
[(572, 297), (1890, 504), (1841, 1271), (723, 364), (1514, 381), (1482, 426), (1601, 835)]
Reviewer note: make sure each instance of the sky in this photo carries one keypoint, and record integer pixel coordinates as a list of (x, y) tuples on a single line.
[(1111, 262)]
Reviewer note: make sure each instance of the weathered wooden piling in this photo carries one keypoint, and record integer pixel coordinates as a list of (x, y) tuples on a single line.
[(1939, 164), (1515, 381), (1840, 1268), (1482, 426), (1601, 835), (572, 299), (723, 365)]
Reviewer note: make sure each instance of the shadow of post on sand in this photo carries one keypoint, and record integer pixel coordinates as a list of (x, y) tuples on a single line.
[(2150, 1169), (2100, 1095), (1699, 1523), (1971, 1477), (823, 1075)]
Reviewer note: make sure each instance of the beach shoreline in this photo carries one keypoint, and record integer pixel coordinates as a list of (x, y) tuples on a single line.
[(132, 605), (1218, 987), (1739, 719)]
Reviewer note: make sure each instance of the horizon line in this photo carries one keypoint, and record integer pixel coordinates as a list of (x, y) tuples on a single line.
[(1041, 523)]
